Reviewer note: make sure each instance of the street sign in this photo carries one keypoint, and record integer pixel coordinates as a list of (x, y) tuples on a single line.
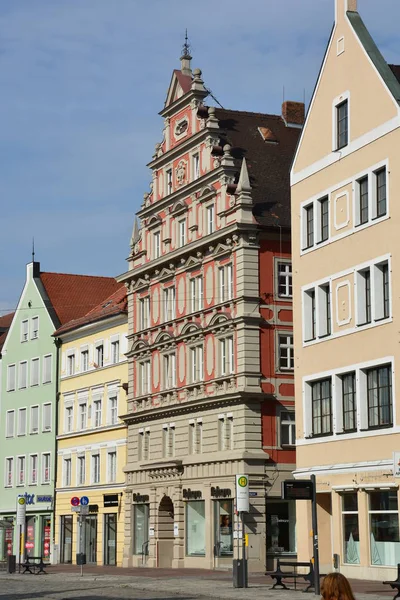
[(300, 489), (75, 501), (242, 493), (84, 501), (76, 509), (84, 509), (21, 510)]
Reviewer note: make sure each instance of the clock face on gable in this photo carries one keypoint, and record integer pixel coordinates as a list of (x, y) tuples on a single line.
[(181, 127)]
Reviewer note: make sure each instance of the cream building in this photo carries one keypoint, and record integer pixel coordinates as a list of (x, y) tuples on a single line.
[(345, 251), (91, 437)]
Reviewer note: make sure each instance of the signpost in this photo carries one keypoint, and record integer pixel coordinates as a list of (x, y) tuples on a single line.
[(80, 506), (21, 520), (306, 489), (242, 506)]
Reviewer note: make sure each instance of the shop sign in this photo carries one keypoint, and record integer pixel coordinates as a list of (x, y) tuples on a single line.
[(93, 508), (300, 489), (217, 492), (21, 510), (110, 500), (191, 494), (242, 493), (396, 464), (140, 498), (46, 499)]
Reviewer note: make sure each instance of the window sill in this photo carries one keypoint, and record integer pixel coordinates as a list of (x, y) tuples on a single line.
[(377, 427), (320, 435), (345, 431)]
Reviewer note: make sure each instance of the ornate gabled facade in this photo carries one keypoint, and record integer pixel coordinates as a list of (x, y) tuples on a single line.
[(210, 342)]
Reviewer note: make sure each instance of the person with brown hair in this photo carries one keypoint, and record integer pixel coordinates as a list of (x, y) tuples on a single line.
[(335, 586)]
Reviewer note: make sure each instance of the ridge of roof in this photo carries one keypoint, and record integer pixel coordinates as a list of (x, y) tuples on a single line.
[(375, 54), (248, 113)]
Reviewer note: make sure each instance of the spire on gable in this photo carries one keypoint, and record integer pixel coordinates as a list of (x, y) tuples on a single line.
[(135, 233), (244, 181), (186, 58)]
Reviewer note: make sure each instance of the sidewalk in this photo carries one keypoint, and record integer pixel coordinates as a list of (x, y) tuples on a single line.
[(206, 583)]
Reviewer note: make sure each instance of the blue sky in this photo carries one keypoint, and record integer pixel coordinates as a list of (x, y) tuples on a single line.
[(81, 85)]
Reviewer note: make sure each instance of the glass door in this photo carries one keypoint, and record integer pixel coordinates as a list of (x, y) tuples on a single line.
[(45, 531), (6, 536), (66, 539), (90, 528), (110, 540), (30, 536)]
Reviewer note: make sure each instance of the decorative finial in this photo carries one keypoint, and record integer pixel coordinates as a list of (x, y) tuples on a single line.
[(186, 58), (186, 46), (33, 249)]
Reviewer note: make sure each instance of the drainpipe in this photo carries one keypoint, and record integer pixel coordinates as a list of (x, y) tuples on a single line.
[(57, 343)]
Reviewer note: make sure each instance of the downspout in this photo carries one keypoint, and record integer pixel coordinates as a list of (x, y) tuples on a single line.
[(57, 343)]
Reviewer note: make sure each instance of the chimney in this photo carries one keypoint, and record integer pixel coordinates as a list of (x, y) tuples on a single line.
[(293, 113)]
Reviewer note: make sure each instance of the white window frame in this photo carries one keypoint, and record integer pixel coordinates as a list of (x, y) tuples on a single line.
[(336, 102), (98, 345), (169, 370), (197, 293), (290, 424), (288, 277), (169, 183), (95, 467), (112, 465), (20, 371), (32, 480), (210, 219), (196, 165), (11, 388), (144, 312), (111, 409), (24, 410), (35, 360), (21, 481), (156, 244), (9, 481), (144, 377), (67, 471), (227, 355), (169, 297), (97, 411), (44, 406), (31, 430), (82, 413), (288, 348), (34, 332), (84, 355), (196, 362), (115, 350), (8, 433), (25, 330), (81, 472), (68, 416), (181, 233), (71, 366), (45, 480), (47, 356)]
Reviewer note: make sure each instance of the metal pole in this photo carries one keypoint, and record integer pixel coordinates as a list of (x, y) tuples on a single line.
[(80, 541), (315, 536), (243, 552)]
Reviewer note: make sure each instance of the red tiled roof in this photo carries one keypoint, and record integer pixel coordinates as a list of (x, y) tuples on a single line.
[(73, 296), (5, 323), (185, 81), (111, 306)]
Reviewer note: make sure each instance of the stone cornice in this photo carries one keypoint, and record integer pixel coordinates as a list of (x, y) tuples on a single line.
[(179, 149)]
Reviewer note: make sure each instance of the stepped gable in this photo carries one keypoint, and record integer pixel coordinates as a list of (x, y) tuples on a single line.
[(113, 305), (268, 161), (73, 296)]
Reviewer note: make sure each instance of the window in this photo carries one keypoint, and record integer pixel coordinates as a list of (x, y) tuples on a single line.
[(144, 378), (226, 283), (196, 364), (288, 428), (46, 415), (141, 532), (210, 212), (384, 527), (373, 283), (81, 470), (324, 324), (182, 233), (95, 468), (349, 402), (351, 537), (99, 356), (168, 440), (281, 525), (196, 166), (23, 375), (156, 244), (21, 463), (34, 371), (33, 469), (67, 471), (144, 312), (10, 423), (22, 421), (9, 479), (113, 410), (309, 316), (195, 436), (225, 432), (82, 415), (321, 407), (195, 528), (196, 292), (379, 393), (324, 219), (112, 466), (47, 368), (363, 200), (223, 518), (169, 181), (115, 352), (169, 371), (97, 412), (227, 356), (84, 360), (380, 179), (284, 279), (169, 303), (309, 222), (382, 292), (11, 378), (34, 328), (286, 352), (24, 330), (143, 444), (34, 419), (342, 125), (46, 467), (69, 418), (70, 364)]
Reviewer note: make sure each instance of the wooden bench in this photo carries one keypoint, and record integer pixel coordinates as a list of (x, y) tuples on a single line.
[(292, 574), (395, 585), (34, 565)]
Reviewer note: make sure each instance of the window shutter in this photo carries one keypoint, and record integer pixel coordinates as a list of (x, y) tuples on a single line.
[(47, 369), (46, 417), (34, 419), (10, 423)]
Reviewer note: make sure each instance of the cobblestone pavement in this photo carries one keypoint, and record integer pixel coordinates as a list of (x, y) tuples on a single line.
[(154, 586)]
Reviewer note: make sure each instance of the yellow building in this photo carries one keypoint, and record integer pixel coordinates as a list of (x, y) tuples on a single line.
[(91, 438), (345, 248)]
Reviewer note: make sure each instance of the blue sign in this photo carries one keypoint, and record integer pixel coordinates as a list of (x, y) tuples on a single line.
[(84, 501), (47, 499)]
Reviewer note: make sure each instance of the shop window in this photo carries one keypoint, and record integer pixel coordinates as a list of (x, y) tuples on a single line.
[(141, 528), (30, 536), (66, 538), (351, 538), (223, 518), (384, 528), (45, 529), (281, 527), (195, 528)]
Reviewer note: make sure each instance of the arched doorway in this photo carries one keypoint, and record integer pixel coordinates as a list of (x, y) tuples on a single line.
[(165, 532)]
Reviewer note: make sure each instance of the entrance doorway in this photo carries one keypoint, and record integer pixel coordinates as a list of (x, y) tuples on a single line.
[(90, 533), (324, 515), (66, 539), (165, 532), (110, 539)]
